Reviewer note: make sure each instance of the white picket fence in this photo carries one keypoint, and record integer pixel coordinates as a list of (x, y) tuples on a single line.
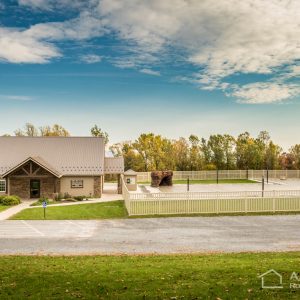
[(212, 206), (225, 174), (210, 202)]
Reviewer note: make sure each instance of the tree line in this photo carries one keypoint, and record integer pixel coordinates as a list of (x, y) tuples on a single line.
[(224, 152)]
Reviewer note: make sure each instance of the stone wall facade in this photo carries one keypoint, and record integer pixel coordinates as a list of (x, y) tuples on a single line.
[(97, 186), (49, 186), (20, 186)]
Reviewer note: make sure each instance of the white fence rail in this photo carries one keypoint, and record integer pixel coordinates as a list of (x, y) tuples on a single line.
[(225, 174), (214, 202), (212, 206), (213, 195), (210, 202)]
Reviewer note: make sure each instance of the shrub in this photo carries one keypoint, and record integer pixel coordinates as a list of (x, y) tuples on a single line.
[(10, 200), (80, 198), (67, 195), (43, 199), (58, 196)]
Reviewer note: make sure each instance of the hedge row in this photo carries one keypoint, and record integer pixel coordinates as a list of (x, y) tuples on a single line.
[(9, 200)]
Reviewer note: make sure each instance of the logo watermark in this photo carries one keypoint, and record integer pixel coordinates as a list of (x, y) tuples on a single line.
[(274, 280)]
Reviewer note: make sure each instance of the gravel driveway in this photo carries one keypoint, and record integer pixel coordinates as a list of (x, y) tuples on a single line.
[(155, 235)]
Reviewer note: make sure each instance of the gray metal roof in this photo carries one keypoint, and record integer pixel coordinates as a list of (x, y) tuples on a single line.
[(67, 155), (114, 165), (130, 172)]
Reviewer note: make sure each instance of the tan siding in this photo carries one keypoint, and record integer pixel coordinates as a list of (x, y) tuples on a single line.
[(87, 190)]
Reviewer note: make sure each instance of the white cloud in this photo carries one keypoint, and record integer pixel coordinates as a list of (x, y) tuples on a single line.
[(91, 58), (150, 72), (257, 36), (16, 97), (17, 47), (35, 44), (265, 92)]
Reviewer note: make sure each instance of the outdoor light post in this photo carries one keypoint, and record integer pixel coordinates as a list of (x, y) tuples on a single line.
[(188, 183), (263, 186)]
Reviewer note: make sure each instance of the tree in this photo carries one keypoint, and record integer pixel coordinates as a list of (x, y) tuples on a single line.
[(132, 159), (97, 131), (155, 151), (181, 154), (216, 146), (206, 151), (295, 152), (229, 144), (195, 157), (272, 156), (28, 130), (55, 130), (287, 161)]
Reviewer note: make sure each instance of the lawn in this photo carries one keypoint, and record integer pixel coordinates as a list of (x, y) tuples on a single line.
[(4, 207), (105, 210), (215, 276), (212, 181)]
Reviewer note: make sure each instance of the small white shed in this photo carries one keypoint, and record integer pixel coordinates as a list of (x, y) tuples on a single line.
[(130, 178)]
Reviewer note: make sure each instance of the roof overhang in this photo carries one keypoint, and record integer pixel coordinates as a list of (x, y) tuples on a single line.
[(39, 162), (114, 165)]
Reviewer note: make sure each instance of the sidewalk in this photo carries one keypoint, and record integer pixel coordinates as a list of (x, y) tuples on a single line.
[(105, 198), (15, 209)]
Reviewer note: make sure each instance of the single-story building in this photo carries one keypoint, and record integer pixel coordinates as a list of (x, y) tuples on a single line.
[(34, 167)]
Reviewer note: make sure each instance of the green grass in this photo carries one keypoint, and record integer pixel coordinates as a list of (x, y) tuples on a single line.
[(214, 181), (4, 207), (108, 210), (105, 210), (216, 276)]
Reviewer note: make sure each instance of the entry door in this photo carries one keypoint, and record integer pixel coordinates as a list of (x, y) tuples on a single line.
[(35, 188)]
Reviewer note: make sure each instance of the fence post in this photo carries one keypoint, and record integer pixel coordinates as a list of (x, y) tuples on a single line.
[(246, 205)]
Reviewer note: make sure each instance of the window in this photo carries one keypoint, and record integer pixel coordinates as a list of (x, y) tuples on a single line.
[(128, 180), (2, 186), (77, 184)]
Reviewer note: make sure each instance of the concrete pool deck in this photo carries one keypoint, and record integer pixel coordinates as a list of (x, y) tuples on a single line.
[(274, 185)]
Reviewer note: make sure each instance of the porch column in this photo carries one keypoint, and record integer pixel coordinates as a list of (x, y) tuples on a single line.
[(8, 186), (119, 184)]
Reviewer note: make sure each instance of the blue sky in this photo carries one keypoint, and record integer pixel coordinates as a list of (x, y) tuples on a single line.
[(173, 67)]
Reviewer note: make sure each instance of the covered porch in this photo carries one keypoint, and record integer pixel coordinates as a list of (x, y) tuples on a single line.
[(32, 178)]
